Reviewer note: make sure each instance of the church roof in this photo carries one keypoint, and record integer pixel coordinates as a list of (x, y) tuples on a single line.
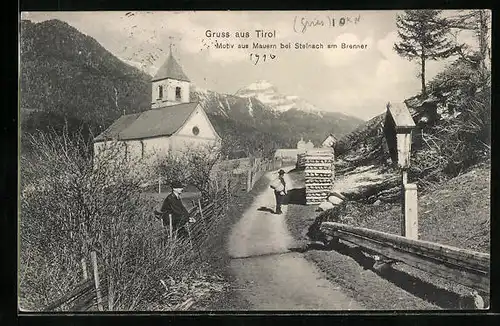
[(170, 69), (152, 123), (118, 126)]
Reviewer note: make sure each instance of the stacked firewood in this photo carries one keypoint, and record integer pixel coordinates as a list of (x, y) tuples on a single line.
[(319, 175), (300, 160)]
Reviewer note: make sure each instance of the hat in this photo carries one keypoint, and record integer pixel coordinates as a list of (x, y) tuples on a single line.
[(281, 171), (177, 184)]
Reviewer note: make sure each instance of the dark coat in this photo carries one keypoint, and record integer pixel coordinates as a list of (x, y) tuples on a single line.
[(173, 205)]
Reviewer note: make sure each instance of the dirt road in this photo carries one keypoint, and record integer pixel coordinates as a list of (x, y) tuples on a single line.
[(269, 276)]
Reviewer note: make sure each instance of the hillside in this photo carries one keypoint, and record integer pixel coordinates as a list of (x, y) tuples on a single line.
[(452, 135), (67, 73), (68, 77)]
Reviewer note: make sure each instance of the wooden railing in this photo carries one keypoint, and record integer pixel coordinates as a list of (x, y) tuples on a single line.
[(81, 298), (465, 267)]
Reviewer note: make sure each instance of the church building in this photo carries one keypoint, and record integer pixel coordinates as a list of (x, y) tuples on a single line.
[(172, 125)]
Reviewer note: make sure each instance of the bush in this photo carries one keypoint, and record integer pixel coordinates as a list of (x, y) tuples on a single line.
[(192, 167), (461, 137)]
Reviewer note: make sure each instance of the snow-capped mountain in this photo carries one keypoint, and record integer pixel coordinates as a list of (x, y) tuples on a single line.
[(261, 106), (232, 106), (268, 94)]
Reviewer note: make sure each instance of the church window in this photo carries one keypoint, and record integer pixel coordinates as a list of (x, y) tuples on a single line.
[(160, 91), (177, 93), (196, 130)]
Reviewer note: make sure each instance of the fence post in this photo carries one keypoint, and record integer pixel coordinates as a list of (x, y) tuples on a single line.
[(96, 280), (249, 180), (188, 229), (170, 226), (199, 207), (159, 184), (227, 191), (202, 217), (84, 268), (410, 211)]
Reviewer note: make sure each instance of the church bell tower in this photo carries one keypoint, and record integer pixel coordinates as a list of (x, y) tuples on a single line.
[(170, 85)]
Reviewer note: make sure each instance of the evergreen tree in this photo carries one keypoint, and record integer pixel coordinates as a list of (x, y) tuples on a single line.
[(423, 35), (479, 22)]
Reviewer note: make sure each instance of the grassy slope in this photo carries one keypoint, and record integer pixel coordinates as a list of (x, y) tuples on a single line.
[(365, 286), (454, 213)]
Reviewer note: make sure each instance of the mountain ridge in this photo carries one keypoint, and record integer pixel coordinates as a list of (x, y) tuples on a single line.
[(66, 74)]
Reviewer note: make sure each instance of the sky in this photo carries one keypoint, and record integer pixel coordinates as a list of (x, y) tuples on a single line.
[(358, 82)]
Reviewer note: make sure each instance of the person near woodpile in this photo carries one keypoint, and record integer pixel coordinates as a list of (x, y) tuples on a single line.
[(180, 216), (279, 187)]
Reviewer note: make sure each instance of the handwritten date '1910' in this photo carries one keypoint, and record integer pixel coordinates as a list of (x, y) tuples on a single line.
[(256, 58)]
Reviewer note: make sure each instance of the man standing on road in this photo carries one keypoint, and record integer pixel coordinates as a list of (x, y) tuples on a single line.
[(279, 187), (180, 216)]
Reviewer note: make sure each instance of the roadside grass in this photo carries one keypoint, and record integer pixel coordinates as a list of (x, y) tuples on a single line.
[(364, 285), (454, 213)]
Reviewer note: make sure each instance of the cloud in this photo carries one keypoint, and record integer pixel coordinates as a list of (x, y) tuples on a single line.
[(394, 79), (342, 57)]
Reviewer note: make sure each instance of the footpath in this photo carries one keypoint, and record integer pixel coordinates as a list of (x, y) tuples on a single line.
[(270, 276)]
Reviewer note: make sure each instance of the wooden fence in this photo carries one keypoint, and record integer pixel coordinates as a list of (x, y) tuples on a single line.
[(91, 293), (258, 168), (465, 267), (245, 171)]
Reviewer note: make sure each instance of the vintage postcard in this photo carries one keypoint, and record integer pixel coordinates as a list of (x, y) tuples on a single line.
[(209, 161)]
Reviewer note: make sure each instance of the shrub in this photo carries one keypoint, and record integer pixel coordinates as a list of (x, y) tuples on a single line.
[(461, 137), (193, 167), (72, 204)]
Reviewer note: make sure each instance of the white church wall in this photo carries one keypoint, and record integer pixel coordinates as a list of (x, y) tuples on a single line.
[(186, 138), (198, 119), (156, 147), (182, 144)]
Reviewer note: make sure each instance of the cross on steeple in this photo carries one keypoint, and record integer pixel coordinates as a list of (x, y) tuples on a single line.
[(170, 86), (171, 43)]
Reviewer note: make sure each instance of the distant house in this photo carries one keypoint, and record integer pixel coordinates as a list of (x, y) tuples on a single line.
[(174, 124), (330, 141), (288, 154)]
